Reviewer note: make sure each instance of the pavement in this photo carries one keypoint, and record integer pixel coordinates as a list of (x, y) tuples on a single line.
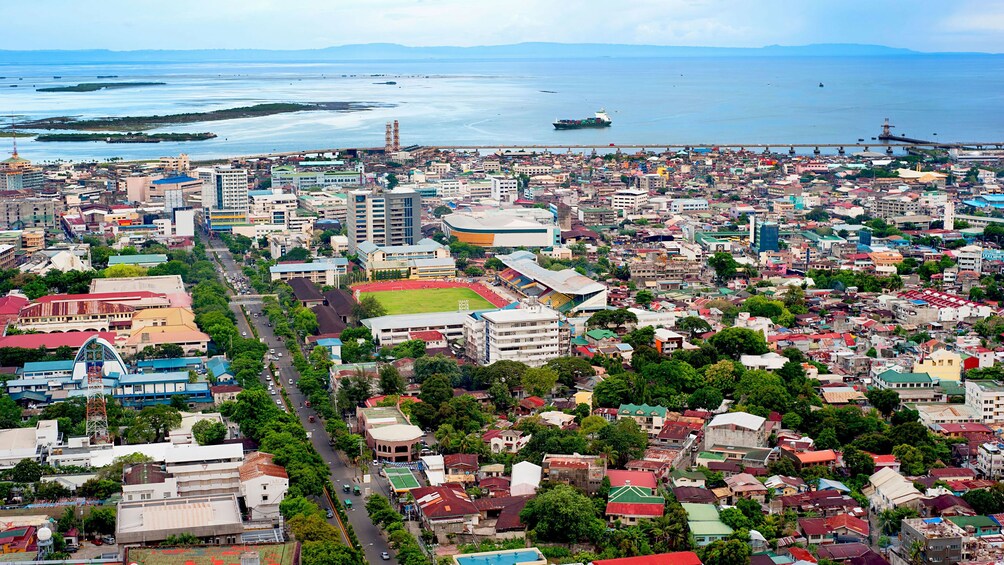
[(370, 537)]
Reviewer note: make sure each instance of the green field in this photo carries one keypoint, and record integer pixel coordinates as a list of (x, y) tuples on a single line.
[(428, 300), (270, 554)]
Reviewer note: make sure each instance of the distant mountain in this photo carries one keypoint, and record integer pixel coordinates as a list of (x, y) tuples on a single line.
[(392, 51)]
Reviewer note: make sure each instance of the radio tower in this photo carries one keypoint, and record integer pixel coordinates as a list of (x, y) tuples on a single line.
[(388, 144), (397, 140), (97, 412)]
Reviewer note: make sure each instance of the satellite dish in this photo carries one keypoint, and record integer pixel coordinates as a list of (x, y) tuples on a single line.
[(44, 534)]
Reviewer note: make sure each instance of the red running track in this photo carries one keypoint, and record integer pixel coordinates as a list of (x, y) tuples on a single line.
[(384, 286)]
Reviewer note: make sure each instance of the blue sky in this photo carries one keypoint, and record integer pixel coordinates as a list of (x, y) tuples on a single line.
[(924, 25)]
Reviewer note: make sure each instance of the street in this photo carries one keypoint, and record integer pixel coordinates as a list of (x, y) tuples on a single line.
[(370, 537)]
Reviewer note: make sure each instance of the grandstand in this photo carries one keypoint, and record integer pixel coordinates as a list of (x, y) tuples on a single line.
[(564, 291)]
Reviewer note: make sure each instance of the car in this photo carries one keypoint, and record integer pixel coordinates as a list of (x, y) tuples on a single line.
[(290, 381), (271, 390), (272, 351), (270, 324), (109, 540), (279, 354), (278, 402), (97, 541), (385, 556), (244, 334), (330, 514)]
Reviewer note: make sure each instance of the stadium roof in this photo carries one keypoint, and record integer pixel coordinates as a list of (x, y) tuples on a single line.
[(566, 281)]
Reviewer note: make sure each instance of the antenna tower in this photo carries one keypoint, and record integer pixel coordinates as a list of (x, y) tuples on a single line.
[(97, 411), (388, 144), (397, 138)]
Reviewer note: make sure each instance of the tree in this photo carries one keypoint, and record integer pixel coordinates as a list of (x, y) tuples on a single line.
[(885, 400), (722, 376), (411, 349), (624, 438), (707, 398), (640, 337), (985, 501), (26, 471), (892, 520), (295, 255), (336, 553), (693, 325), (540, 381), (296, 505), (313, 527), (644, 297), (827, 439), (724, 264), (391, 381), (436, 391), (562, 514), (161, 418), (726, 552), (209, 432), (440, 364), (124, 271), (911, 460), (368, 307), (570, 368), (305, 321), (612, 319), (858, 462), (735, 342), (100, 520)]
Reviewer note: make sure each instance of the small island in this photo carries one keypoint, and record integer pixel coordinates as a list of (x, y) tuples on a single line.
[(126, 137), (139, 123), (93, 86)]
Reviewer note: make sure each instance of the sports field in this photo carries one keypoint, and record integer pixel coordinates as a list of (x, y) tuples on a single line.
[(428, 300)]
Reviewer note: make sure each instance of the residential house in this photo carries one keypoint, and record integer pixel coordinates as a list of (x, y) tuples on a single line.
[(263, 485), (446, 510), (461, 468), (705, 525), (737, 429), (842, 528), (745, 485), (629, 504), (887, 490), (582, 471), (649, 418)]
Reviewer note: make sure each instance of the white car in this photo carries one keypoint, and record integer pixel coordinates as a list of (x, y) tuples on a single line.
[(244, 334), (278, 402)]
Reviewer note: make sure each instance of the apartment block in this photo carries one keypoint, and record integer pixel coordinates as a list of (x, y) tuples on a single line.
[(527, 335)]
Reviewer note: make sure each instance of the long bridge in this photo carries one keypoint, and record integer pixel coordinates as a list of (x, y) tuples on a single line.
[(816, 148)]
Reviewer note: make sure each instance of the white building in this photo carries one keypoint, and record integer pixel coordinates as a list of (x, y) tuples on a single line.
[(224, 188), (528, 335), (505, 190), (263, 485), (389, 331), (680, 205), (736, 429), (987, 399), (990, 461), (525, 479), (327, 272), (532, 169), (630, 200), (770, 361), (392, 217), (27, 443), (970, 258), (887, 490)]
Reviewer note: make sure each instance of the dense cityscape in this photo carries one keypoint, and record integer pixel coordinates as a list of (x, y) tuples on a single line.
[(705, 355)]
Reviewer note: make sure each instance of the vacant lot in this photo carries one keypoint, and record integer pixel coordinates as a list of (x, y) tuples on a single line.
[(428, 300), (272, 554)]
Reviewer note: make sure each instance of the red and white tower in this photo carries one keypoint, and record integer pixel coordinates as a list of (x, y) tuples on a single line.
[(97, 411)]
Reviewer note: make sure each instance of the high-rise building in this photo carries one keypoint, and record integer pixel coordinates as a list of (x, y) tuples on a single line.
[(865, 237), (224, 197), (505, 189), (764, 235), (528, 335), (384, 218), (18, 173)]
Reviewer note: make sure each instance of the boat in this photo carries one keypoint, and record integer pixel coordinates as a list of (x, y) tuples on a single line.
[(600, 120), (820, 85)]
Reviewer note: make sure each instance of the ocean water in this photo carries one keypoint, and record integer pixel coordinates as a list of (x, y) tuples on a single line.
[(773, 100)]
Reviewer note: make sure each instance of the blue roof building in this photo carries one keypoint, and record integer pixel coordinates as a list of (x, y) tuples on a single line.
[(167, 365)]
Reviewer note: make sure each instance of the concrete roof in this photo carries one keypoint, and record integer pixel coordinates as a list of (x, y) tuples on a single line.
[(396, 432), (739, 419)]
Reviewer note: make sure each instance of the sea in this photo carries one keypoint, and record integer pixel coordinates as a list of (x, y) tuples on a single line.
[(720, 100)]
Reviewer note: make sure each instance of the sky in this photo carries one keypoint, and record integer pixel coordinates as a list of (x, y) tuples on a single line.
[(922, 25)]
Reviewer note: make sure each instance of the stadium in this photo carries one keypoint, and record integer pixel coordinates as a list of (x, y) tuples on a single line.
[(417, 297), (565, 291)]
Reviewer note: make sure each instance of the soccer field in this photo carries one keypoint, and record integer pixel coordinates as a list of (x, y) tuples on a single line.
[(428, 300)]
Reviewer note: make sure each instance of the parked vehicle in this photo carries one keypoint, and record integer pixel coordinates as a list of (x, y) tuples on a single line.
[(346, 488), (355, 490)]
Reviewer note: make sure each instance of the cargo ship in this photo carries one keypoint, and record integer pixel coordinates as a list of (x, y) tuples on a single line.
[(601, 120)]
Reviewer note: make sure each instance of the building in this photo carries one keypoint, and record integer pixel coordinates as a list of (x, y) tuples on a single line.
[(214, 519), (737, 429), (392, 217), (502, 229), (17, 173), (629, 504), (912, 387), (938, 539), (990, 460), (970, 258), (224, 197), (461, 468), (30, 212), (528, 335), (564, 291), (325, 177), (263, 485), (582, 471), (446, 510), (389, 331), (704, 523), (427, 259), (28, 443), (505, 190), (766, 235), (631, 200), (389, 434), (942, 364), (682, 205), (887, 490), (326, 272), (987, 400), (592, 216), (648, 418)]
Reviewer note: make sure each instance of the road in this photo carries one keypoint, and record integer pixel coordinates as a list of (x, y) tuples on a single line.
[(373, 543)]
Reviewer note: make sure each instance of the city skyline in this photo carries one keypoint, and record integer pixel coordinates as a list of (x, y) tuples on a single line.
[(924, 25)]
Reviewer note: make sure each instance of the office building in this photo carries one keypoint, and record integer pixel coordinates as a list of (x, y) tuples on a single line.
[(391, 217), (505, 190), (631, 200), (224, 197), (764, 236), (528, 335)]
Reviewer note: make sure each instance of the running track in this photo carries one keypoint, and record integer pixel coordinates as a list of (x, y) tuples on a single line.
[(384, 286)]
